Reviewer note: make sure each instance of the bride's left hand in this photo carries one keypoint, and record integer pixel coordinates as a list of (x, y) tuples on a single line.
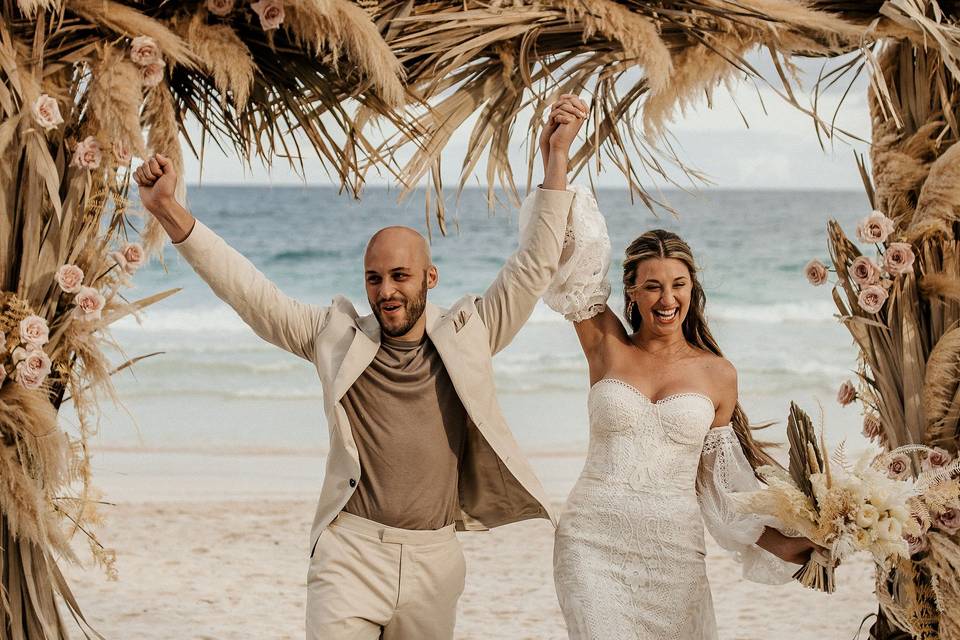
[(794, 550)]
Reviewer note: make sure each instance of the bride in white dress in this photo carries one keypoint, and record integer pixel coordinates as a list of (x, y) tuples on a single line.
[(668, 445)]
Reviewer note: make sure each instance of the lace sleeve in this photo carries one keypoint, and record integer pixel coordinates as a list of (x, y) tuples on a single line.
[(724, 472), (580, 288)]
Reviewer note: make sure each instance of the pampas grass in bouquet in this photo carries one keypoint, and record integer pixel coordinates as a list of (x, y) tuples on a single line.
[(841, 507)]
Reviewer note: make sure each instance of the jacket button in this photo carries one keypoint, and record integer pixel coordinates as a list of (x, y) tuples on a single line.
[(353, 482)]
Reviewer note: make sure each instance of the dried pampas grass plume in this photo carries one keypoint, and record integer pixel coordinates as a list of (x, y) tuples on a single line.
[(221, 51), (940, 388), (940, 195), (115, 98)]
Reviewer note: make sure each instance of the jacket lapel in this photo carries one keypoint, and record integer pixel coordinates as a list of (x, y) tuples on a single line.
[(363, 349)]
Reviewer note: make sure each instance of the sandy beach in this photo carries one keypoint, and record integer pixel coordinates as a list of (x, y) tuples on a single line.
[(215, 546)]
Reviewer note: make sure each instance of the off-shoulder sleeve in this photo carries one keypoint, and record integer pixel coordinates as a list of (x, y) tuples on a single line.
[(724, 472), (579, 290)]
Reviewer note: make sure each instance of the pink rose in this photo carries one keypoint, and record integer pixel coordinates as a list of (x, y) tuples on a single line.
[(32, 368), (917, 543), (152, 74), (220, 8), (120, 152), (69, 277), (145, 51), (34, 331), (270, 12), (816, 272), (89, 304), (133, 256), (87, 154), (875, 228), (46, 111), (864, 272), (899, 467), (872, 297), (949, 520), (935, 459), (847, 393), (872, 427), (898, 258)]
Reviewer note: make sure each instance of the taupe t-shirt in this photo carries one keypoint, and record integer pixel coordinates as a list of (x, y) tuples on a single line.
[(410, 430)]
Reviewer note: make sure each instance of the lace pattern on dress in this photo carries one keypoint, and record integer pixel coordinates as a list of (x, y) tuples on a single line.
[(580, 288), (724, 472)]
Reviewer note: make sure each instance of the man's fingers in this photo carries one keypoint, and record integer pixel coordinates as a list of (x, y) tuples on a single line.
[(155, 167), (162, 160), (570, 109)]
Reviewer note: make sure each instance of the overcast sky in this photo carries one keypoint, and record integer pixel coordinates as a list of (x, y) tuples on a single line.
[(779, 149)]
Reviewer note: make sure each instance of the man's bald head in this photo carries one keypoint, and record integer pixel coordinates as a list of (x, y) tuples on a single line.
[(399, 239), (398, 273)]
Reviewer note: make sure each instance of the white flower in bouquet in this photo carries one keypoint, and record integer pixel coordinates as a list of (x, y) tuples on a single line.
[(34, 331), (70, 278), (90, 303), (875, 228), (46, 111)]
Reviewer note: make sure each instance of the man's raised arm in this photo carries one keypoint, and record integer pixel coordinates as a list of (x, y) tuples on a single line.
[(509, 301), (274, 316)]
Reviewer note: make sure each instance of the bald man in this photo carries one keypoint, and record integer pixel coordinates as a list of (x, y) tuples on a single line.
[(418, 444)]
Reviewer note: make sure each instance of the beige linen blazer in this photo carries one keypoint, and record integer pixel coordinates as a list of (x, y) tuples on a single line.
[(497, 484)]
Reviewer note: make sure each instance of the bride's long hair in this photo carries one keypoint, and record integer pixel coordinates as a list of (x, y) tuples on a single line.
[(665, 244)]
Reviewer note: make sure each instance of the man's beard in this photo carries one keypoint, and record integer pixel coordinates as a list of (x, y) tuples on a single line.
[(413, 309)]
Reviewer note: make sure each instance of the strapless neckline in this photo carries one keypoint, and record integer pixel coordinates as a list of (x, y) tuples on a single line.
[(641, 394)]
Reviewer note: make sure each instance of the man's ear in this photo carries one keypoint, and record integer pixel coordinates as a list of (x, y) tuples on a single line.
[(433, 276)]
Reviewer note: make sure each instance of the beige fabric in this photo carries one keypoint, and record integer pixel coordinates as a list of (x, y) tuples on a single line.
[(410, 428), (497, 485), (366, 579)]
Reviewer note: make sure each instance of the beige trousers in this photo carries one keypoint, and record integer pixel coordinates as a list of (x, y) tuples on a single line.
[(368, 581)]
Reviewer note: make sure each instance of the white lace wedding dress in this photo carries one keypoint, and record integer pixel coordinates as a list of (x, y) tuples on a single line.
[(629, 550)]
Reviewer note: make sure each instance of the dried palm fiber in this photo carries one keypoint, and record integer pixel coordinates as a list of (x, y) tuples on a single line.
[(941, 395), (636, 33), (115, 97), (907, 599), (943, 564), (221, 52), (347, 31), (33, 460)]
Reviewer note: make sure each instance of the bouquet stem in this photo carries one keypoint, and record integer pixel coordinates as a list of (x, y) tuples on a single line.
[(817, 573)]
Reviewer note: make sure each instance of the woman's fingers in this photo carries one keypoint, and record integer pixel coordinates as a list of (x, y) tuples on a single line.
[(569, 109), (570, 101)]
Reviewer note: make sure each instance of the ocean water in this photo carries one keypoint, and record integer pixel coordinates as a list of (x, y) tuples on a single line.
[(217, 387)]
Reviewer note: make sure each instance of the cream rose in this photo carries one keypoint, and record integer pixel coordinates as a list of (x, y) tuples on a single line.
[(46, 111), (152, 74), (69, 277), (872, 297), (867, 516), (89, 303), (936, 458), (33, 368), (270, 13), (898, 467), (898, 258), (816, 272), (144, 51), (34, 331), (847, 393), (875, 228), (871, 426), (864, 272), (949, 520), (87, 154), (220, 8), (889, 529)]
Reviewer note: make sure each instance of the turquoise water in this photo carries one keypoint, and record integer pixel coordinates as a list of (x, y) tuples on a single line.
[(219, 387)]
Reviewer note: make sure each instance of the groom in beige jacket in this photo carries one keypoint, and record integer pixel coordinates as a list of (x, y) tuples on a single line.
[(418, 444)]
